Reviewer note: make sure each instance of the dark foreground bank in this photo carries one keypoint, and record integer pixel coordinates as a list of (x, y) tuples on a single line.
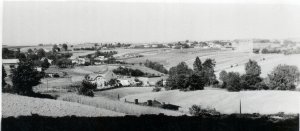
[(234, 122)]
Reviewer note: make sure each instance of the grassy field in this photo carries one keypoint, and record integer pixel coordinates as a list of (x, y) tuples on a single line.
[(268, 65), (117, 106), (15, 105), (122, 92), (265, 102)]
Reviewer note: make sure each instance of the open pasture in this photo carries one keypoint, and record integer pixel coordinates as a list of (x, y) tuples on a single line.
[(15, 105), (264, 102)]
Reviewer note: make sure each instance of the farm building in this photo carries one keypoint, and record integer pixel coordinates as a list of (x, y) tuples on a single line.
[(102, 79), (79, 61), (100, 60), (243, 45), (10, 64)]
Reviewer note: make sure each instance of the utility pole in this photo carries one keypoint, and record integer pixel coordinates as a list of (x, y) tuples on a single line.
[(47, 84), (240, 106)]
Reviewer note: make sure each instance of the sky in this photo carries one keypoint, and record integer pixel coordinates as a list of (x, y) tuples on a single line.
[(33, 22)]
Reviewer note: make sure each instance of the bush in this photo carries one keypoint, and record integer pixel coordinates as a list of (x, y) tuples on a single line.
[(156, 66), (138, 82), (196, 110), (233, 81), (86, 88), (128, 71), (156, 89), (159, 83), (283, 77)]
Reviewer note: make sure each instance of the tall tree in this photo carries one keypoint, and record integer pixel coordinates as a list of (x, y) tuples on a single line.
[(4, 75), (196, 81), (55, 48), (45, 64), (41, 53), (252, 68), (250, 80), (197, 65), (209, 71), (24, 77), (65, 46)]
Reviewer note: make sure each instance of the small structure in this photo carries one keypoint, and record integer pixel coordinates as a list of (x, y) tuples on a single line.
[(53, 72), (10, 63), (100, 60)]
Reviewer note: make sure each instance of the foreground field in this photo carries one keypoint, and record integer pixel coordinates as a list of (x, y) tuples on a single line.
[(117, 106), (15, 105), (264, 102)]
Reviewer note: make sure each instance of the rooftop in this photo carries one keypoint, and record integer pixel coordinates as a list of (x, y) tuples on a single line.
[(10, 61)]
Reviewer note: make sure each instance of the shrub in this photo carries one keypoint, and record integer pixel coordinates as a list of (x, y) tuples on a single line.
[(86, 88), (233, 81), (156, 89), (196, 110), (159, 83), (138, 82), (283, 77)]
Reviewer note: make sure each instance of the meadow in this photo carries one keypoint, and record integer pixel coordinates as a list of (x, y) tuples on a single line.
[(264, 102), (16, 105), (117, 106)]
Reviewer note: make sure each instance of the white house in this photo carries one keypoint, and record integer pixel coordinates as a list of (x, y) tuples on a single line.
[(102, 79), (124, 82), (10, 63), (100, 60)]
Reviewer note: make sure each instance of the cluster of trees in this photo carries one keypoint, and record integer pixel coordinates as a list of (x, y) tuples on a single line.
[(86, 88), (270, 51), (283, 77), (292, 51), (84, 48), (128, 72), (156, 66), (10, 54), (182, 77), (106, 54), (24, 77)]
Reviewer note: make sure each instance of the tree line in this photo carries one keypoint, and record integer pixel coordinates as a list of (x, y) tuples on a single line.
[(156, 66), (283, 77), (184, 78)]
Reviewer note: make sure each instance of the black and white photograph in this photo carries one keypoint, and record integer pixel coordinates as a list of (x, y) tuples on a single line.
[(157, 65)]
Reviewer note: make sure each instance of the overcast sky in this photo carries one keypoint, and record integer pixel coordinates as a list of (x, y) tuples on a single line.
[(56, 22)]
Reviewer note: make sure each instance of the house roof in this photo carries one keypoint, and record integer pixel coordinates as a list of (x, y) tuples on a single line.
[(106, 75), (10, 61)]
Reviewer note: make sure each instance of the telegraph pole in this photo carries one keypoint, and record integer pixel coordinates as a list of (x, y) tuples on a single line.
[(240, 106)]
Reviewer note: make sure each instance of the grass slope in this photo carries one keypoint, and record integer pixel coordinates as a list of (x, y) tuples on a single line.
[(15, 105)]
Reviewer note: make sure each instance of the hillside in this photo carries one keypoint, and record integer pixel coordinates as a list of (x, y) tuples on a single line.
[(15, 105)]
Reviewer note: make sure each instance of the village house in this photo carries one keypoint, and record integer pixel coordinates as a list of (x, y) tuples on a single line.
[(100, 60), (101, 79), (79, 61), (10, 63)]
